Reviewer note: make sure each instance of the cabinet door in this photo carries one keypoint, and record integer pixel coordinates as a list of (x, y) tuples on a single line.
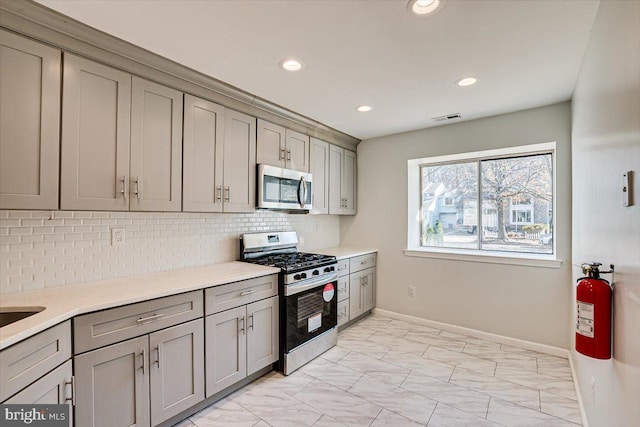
[(30, 117), (112, 385), (271, 144), (177, 369), (156, 147), (225, 349), (319, 168), (369, 289), (262, 334), (203, 151), (297, 151), (349, 182), (336, 161), (239, 162), (343, 312), (356, 285), (96, 110), (343, 288)]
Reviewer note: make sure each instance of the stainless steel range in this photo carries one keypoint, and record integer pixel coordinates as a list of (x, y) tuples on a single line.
[(308, 297)]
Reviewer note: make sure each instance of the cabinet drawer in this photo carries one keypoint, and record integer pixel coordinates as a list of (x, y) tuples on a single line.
[(118, 324), (23, 363), (225, 297), (361, 262), (343, 267), (343, 288), (343, 312)]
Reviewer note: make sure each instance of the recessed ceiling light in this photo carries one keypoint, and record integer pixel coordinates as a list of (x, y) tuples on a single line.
[(364, 108), (467, 81), (423, 7), (291, 65)]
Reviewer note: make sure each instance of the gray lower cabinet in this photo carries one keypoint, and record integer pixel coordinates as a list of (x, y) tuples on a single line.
[(142, 381), (361, 292), (239, 342)]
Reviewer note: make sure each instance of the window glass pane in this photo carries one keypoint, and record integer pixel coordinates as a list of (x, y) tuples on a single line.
[(449, 198), (518, 192)]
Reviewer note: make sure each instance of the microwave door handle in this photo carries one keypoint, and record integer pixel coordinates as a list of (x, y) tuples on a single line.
[(302, 192)]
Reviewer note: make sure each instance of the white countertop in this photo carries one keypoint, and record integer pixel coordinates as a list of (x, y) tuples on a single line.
[(64, 302), (342, 252)]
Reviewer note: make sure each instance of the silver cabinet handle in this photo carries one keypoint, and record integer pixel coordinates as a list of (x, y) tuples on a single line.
[(150, 318), (245, 293), (157, 362), (281, 154), (143, 353), (138, 190), (242, 328), (123, 191), (288, 155), (227, 192), (363, 262), (72, 383), (219, 190), (251, 321)]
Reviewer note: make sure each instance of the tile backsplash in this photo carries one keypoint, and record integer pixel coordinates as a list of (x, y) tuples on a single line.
[(40, 249)]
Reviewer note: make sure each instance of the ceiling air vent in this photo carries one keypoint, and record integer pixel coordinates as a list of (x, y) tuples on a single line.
[(447, 117)]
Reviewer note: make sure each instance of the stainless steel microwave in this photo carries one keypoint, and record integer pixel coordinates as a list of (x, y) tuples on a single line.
[(284, 189)]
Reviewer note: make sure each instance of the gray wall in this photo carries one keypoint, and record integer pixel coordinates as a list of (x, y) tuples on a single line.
[(530, 303), (606, 142)]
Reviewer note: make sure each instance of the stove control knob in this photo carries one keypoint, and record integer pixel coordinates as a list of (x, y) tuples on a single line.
[(297, 277), (302, 275), (328, 269), (316, 272)]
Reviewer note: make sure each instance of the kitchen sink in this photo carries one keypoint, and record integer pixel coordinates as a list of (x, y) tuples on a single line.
[(8, 315)]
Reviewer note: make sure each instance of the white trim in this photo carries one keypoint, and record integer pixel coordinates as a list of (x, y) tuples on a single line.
[(527, 345), (414, 211), (485, 257), (576, 386)]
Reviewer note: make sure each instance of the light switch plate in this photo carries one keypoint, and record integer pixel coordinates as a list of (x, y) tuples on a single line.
[(627, 188), (117, 236)]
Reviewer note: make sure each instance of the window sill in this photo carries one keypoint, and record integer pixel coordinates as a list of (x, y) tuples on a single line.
[(544, 261)]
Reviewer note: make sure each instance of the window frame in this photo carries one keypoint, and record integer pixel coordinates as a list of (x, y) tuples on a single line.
[(414, 211)]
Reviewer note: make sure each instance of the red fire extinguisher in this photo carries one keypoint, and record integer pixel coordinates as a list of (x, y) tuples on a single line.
[(593, 312)]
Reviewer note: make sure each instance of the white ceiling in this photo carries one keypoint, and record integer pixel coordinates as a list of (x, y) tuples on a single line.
[(524, 53)]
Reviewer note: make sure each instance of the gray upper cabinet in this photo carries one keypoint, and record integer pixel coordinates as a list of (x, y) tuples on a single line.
[(342, 181), (219, 158), (203, 155), (297, 151), (239, 177), (156, 147), (285, 148), (271, 149), (121, 141), (96, 106), (319, 168), (30, 117)]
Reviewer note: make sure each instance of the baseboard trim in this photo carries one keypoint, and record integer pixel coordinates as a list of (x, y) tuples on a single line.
[(528, 345), (576, 386)]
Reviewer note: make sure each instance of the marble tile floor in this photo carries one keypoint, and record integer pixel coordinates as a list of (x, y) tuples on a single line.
[(388, 372)]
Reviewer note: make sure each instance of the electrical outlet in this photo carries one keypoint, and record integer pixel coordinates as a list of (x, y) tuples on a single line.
[(593, 389), (412, 291), (117, 236)]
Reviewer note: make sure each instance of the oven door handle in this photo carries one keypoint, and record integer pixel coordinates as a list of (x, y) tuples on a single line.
[(309, 284)]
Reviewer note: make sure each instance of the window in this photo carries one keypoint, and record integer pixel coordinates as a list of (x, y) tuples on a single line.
[(497, 201)]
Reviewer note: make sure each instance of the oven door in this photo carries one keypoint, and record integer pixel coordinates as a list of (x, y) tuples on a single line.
[(285, 189), (309, 313)]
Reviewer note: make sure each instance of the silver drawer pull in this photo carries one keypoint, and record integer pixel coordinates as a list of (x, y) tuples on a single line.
[(150, 318), (363, 262), (245, 293), (72, 383)]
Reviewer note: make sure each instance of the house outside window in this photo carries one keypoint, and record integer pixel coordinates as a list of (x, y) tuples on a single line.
[(498, 200)]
